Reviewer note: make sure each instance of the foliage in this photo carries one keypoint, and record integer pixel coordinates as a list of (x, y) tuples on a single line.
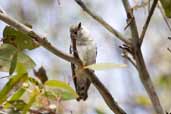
[(18, 39), (9, 57), (21, 93), (167, 7), (99, 111), (164, 81), (62, 89), (142, 100)]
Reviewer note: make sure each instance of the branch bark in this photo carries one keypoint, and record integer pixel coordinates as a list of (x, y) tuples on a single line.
[(105, 93), (43, 42), (137, 54)]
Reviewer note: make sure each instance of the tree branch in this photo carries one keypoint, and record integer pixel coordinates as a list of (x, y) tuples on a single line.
[(105, 93), (43, 42), (164, 17), (102, 22), (142, 70), (148, 20), (132, 24)]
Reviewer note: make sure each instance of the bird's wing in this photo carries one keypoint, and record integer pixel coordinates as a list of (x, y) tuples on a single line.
[(87, 53)]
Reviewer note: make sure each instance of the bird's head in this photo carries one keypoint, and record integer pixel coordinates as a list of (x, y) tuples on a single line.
[(79, 32)]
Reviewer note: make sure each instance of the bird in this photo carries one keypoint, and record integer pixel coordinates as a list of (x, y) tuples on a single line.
[(86, 51)]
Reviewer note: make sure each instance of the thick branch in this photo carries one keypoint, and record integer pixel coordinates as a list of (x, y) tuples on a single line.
[(148, 20), (102, 22), (43, 42), (142, 70)]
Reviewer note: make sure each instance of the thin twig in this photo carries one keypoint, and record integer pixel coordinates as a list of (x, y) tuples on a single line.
[(169, 50), (4, 77), (137, 54), (131, 61), (102, 22), (164, 17), (148, 20), (128, 23), (2, 11), (126, 51), (143, 4)]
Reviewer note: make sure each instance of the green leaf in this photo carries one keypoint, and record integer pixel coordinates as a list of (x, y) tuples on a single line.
[(105, 66), (67, 96), (18, 39), (13, 64), (142, 100), (62, 89), (32, 99), (13, 81), (164, 81), (21, 69), (166, 4), (50, 94), (99, 111), (35, 82), (26, 60), (54, 93), (17, 104), (16, 96), (6, 53), (8, 57)]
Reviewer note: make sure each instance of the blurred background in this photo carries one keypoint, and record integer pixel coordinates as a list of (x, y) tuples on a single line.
[(52, 18)]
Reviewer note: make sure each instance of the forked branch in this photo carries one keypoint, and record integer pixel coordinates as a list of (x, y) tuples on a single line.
[(137, 54), (102, 22)]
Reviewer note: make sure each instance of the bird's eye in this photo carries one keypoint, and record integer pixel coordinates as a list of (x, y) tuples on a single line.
[(75, 32), (82, 88)]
